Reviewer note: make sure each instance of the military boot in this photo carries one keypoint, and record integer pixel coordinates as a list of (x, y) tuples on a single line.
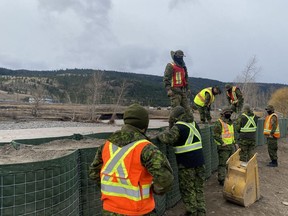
[(273, 163)]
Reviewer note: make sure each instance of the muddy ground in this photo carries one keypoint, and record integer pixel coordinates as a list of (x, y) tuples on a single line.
[(273, 190)]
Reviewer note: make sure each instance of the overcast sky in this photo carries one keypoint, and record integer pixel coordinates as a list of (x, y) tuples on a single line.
[(218, 37)]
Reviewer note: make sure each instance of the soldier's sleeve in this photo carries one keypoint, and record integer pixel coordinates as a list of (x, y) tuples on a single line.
[(239, 95), (186, 78), (217, 131), (238, 123), (274, 124), (169, 137), (207, 98), (168, 76), (96, 165), (158, 166), (228, 99)]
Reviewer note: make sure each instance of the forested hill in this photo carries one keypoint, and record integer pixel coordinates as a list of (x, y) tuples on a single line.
[(100, 86)]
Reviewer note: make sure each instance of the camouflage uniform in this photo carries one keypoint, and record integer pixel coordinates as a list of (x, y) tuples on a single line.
[(204, 111), (151, 158), (236, 107), (179, 96), (246, 140), (224, 152), (191, 169), (272, 142)]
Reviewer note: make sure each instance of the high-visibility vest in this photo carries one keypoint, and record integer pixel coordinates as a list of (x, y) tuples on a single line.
[(125, 183), (178, 77), (200, 97), (250, 125), (268, 126), (227, 133), (189, 144), (232, 95)]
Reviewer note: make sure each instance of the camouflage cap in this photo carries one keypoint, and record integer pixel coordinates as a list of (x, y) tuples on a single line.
[(246, 108), (269, 108), (137, 116), (228, 86), (178, 53), (226, 109)]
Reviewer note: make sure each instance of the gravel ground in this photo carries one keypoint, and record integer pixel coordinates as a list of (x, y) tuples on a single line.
[(12, 125)]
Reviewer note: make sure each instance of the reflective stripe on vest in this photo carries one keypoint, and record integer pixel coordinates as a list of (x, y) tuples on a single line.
[(268, 126), (227, 133), (189, 145), (115, 167), (233, 95), (178, 77), (200, 97), (250, 122)]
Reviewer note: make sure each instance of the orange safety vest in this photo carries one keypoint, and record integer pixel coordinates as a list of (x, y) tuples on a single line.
[(178, 77), (227, 134), (125, 183), (268, 126), (232, 94)]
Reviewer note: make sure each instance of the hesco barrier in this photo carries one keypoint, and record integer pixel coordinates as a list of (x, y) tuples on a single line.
[(61, 186)]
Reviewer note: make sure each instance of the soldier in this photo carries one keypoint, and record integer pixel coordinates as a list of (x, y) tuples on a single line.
[(127, 189), (234, 97), (272, 132), (224, 138), (176, 81), (203, 101), (186, 138), (246, 126)]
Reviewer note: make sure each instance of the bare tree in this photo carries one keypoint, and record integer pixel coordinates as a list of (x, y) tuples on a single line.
[(120, 92), (96, 90), (38, 97), (247, 82)]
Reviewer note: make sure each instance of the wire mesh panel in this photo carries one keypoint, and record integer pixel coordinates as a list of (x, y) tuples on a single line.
[(206, 142), (260, 139), (40, 188), (173, 196), (91, 204), (214, 152)]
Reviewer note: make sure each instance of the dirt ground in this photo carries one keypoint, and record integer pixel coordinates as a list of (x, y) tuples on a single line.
[(273, 190)]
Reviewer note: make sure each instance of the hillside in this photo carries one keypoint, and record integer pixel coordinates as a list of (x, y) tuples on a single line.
[(86, 86)]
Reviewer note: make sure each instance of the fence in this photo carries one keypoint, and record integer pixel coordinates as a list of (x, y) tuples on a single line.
[(61, 186)]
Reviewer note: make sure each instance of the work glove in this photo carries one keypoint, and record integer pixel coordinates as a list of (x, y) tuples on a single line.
[(235, 102), (157, 189), (169, 93)]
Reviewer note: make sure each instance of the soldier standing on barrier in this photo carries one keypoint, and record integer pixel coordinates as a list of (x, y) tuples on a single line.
[(224, 138), (246, 126), (272, 133), (176, 81), (186, 138), (131, 168)]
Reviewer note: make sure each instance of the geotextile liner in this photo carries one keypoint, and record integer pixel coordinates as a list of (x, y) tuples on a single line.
[(61, 186)]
